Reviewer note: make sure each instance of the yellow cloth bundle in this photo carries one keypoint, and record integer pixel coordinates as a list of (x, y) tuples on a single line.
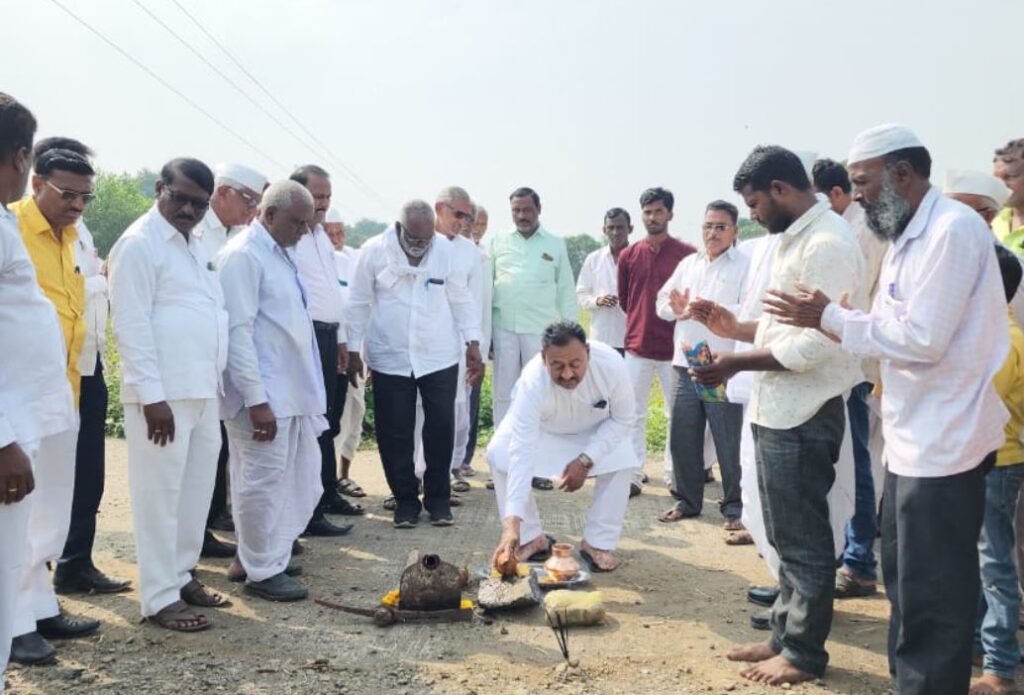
[(578, 607)]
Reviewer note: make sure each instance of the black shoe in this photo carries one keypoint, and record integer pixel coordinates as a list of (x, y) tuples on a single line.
[(442, 519), (297, 548), (336, 504), (635, 490), (32, 650), (405, 520), (214, 547), (63, 627), (280, 587), (542, 484), (762, 620), (763, 595), (223, 522), (88, 580), (324, 528)]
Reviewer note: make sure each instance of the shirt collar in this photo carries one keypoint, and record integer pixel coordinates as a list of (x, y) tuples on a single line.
[(261, 236), (34, 221), (211, 223), (539, 233), (810, 216), (919, 222), (729, 254)]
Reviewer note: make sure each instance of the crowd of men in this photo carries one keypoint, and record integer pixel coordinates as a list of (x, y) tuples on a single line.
[(868, 345)]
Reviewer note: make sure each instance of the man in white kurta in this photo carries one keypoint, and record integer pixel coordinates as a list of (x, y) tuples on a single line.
[(572, 414), (414, 316), (597, 287), (273, 405), (236, 195), (453, 212), (171, 332), (35, 396)]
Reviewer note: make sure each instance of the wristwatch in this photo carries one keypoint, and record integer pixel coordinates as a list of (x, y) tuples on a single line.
[(587, 462)]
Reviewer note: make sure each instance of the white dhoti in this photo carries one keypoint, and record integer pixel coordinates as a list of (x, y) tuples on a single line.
[(13, 549), (613, 473), (49, 518), (351, 430), (511, 353), (462, 425), (275, 488), (170, 490), (840, 497)]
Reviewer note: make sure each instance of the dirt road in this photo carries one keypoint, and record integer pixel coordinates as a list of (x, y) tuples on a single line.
[(675, 607)]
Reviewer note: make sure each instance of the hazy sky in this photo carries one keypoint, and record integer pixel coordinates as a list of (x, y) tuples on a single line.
[(587, 101)]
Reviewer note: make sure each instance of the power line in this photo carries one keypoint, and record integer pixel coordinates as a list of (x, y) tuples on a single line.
[(337, 161), (168, 85), (226, 78)]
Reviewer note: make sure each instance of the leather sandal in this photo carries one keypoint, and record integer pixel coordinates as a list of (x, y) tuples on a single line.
[(179, 617), (195, 593)]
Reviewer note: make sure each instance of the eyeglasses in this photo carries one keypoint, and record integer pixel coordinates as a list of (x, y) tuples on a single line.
[(717, 228), (411, 240), (181, 199), (459, 214), (69, 195), (250, 200)]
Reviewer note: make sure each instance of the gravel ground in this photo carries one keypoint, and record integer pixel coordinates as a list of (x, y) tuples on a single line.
[(674, 608)]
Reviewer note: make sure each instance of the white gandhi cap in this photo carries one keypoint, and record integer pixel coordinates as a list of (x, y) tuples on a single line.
[(976, 183), (333, 215), (250, 178)]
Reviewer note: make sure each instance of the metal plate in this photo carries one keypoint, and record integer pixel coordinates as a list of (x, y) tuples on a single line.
[(542, 576)]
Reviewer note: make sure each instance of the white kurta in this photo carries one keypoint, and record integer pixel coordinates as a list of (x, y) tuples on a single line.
[(272, 359), (35, 403), (599, 276), (171, 331), (548, 426)]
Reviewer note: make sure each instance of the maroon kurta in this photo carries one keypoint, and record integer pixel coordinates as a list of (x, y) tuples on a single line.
[(642, 272)]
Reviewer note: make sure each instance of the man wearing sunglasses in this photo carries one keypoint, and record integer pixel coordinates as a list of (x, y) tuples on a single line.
[(172, 333), (236, 195), (61, 189)]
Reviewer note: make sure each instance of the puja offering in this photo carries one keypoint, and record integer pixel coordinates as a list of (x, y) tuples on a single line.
[(496, 593), (562, 566)]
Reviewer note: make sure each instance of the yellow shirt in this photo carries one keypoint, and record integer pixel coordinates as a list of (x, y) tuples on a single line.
[(58, 276), (1009, 383), (1013, 239)]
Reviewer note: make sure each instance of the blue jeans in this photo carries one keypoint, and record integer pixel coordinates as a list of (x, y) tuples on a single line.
[(861, 530), (999, 601)]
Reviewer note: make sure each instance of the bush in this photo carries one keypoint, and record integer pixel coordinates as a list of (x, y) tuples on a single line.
[(112, 375)]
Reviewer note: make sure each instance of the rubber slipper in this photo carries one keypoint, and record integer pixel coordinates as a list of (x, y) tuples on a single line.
[(591, 564)]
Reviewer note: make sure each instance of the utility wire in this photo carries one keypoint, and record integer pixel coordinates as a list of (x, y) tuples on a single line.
[(338, 162), (168, 85)]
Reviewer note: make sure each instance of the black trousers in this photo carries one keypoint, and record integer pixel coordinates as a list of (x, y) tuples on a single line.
[(89, 473), (474, 423), (930, 529), (219, 501), (394, 399), (327, 344)]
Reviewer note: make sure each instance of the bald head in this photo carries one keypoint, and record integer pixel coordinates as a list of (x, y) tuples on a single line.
[(286, 211)]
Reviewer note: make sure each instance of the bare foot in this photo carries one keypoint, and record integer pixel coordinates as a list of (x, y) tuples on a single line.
[(604, 560), (535, 546), (775, 671), (757, 651), (991, 684)]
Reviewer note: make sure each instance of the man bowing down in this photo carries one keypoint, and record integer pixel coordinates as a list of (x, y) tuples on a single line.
[(571, 415)]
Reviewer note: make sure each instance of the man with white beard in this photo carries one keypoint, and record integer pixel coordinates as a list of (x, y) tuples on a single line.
[(938, 328), (273, 404), (411, 310)]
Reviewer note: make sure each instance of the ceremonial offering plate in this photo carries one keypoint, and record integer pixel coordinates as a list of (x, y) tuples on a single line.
[(544, 580)]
